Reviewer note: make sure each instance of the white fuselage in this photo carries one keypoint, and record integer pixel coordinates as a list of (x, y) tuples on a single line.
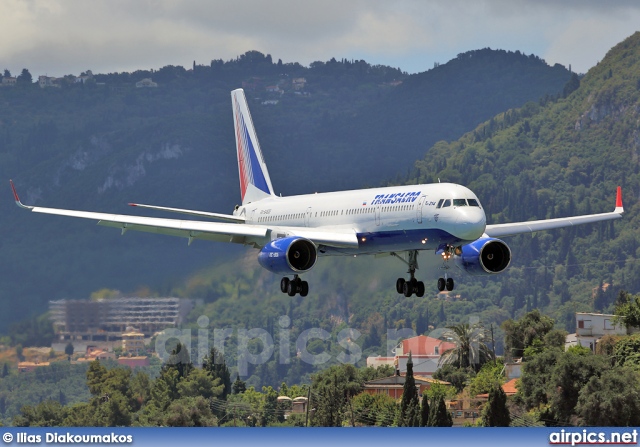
[(415, 217)]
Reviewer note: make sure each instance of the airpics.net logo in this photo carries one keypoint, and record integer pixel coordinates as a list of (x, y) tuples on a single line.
[(588, 437)]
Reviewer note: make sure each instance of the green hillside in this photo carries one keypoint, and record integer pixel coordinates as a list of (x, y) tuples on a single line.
[(100, 145), (551, 158)]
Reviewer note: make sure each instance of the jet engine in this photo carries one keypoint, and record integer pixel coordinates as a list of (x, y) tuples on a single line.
[(484, 256), (289, 255)]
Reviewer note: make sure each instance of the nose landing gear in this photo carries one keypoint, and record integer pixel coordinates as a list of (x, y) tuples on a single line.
[(446, 282)]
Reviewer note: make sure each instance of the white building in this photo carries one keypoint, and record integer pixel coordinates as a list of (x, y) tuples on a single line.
[(591, 327)]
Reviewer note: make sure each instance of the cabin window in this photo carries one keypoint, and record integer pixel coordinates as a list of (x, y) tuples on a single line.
[(459, 202), (446, 203)]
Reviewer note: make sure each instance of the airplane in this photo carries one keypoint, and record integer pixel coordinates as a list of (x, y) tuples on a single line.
[(291, 233)]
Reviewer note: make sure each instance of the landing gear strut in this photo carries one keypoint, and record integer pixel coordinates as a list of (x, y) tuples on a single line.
[(408, 288), (446, 282), (293, 286)]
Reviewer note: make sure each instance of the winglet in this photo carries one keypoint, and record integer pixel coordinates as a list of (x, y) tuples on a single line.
[(17, 199), (619, 208)]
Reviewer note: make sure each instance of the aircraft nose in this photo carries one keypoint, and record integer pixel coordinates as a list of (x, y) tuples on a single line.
[(471, 223)]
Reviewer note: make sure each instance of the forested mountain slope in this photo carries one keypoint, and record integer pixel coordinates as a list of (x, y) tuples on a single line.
[(101, 145), (547, 159)]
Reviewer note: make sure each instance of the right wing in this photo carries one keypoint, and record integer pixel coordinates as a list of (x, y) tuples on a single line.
[(512, 229)]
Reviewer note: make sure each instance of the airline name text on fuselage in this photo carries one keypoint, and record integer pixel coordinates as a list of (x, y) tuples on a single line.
[(399, 197)]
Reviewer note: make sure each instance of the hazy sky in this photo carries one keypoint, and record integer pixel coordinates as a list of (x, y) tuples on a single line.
[(58, 37)]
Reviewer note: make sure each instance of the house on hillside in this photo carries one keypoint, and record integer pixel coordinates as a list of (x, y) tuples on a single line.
[(146, 83), (393, 386), (426, 352), (591, 327), (9, 81)]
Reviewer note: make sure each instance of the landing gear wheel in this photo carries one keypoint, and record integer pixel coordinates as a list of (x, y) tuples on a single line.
[(407, 289), (292, 288), (284, 284), (304, 288), (400, 285), (449, 284), (441, 284), (419, 289)]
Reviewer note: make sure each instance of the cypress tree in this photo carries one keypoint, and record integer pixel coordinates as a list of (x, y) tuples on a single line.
[(439, 416), (424, 411), (409, 406), (215, 364), (496, 413)]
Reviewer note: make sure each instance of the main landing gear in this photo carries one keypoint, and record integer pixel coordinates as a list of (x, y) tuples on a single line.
[(412, 285), (293, 286), (408, 288)]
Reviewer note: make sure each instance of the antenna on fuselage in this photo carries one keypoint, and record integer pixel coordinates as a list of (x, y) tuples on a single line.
[(438, 179)]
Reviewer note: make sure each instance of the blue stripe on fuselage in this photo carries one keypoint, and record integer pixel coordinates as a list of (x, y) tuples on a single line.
[(397, 240)]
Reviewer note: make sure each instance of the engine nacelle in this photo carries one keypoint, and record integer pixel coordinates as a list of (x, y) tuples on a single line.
[(485, 256), (288, 255)]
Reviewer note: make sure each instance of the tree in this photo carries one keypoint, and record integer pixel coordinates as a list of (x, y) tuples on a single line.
[(24, 78), (179, 360), (439, 416), (572, 371), (611, 400), (200, 383), (409, 405), (19, 353), (215, 364), (522, 333), (455, 376), (627, 309), (49, 413), (626, 351), (188, 412), (424, 411), (331, 390), (496, 413), (489, 377), (470, 350), (239, 386)]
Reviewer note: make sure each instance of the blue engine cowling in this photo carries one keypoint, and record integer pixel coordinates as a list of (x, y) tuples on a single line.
[(485, 256), (288, 255)]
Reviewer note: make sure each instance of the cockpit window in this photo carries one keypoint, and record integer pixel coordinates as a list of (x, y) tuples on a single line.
[(459, 202), (473, 202), (446, 203), (440, 203)]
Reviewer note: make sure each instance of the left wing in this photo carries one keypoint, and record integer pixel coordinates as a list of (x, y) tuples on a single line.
[(193, 229), (512, 229)]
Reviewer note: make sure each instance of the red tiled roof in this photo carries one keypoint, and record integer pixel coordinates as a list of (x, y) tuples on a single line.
[(509, 389)]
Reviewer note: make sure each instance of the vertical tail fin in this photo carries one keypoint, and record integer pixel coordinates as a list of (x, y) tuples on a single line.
[(255, 183)]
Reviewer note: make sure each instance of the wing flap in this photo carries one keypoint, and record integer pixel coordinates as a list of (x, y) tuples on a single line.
[(218, 216), (332, 238)]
